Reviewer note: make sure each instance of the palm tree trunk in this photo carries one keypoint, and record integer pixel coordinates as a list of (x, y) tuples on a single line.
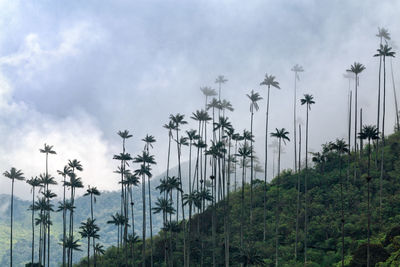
[(342, 207), (64, 224), (151, 223), (33, 225), (298, 198), (11, 223), (349, 137), (133, 228), (265, 168), (355, 129), (251, 168), (144, 221), (277, 208), (369, 213), (294, 121), (379, 105), (88, 252), (242, 205), (305, 194), (383, 138), (227, 220)]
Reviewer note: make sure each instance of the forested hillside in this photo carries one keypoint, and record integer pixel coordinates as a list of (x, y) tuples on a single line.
[(324, 239)]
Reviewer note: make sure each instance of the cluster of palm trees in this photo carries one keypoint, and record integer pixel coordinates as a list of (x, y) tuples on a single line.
[(213, 158), (43, 205)]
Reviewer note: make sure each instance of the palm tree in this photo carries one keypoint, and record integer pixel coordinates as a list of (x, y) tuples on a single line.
[(99, 250), (383, 34), (89, 230), (149, 140), (244, 152), (220, 80), (383, 52), (269, 81), (369, 132), (130, 181), (18, 175), (308, 100), (48, 150), (145, 159), (165, 206), (191, 199), (254, 98), (179, 120), (356, 68), (71, 245), (34, 182), (217, 151), (74, 182), (281, 135), (92, 192), (116, 220), (43, 206), (296, 69), (341, 148), (64, 173)]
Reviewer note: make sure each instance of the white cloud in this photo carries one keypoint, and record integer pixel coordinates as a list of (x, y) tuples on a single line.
[(24, 129)]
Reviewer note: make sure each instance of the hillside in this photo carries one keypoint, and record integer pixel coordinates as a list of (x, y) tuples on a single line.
[(324, 227)]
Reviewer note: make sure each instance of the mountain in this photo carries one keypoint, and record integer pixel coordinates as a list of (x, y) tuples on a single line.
[(324, 221)]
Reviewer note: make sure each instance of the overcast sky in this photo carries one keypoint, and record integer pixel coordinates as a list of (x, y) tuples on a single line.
[(73, 73)]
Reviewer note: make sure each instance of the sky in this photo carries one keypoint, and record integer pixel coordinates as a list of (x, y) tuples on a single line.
[(74, 73)]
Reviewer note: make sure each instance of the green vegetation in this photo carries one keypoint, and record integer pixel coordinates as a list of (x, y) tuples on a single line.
[(324, 228)]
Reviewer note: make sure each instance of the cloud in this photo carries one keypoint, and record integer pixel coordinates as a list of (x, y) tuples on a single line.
[(24, 129), (75, 74)]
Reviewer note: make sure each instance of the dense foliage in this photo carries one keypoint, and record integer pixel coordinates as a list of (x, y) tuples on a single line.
[(324, 221)]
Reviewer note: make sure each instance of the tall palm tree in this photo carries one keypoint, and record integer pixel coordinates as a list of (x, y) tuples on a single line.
[(191, 199), (64, 173), (116, 220), (34, 182), (48, 150), (46, 180), (130, 181), (167, 185), (281, 135), (149, 140), (356, 68), (123, 158), (383, 52), (244, 152), (216, 151), (308, 100), (165, 206), (341, 148), (179, 120), (18, 175), (99, 250), (92, 192), (383, 35), (74, 182), (254, 98), (89, 230), (296, 69), (269, 81), (369, 132), (145, 160), (72, 245), (220, 80)]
